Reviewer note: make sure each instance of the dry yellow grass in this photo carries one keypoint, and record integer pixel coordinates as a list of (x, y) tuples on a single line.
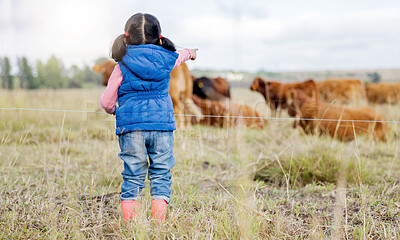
[(60, 178)]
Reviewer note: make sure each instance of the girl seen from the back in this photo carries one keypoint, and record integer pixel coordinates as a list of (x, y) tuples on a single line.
[(144, 116)]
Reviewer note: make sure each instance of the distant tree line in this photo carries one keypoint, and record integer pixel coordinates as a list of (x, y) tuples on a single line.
[(50, 74)]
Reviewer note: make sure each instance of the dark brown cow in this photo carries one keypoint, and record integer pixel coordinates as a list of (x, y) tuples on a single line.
[(300, 105), (224, 109), (216, 89)]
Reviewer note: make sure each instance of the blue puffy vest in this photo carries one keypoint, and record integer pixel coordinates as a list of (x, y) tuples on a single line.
[(143, 98)]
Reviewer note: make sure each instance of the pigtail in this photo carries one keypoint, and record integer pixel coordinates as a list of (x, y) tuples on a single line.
[(167, 44), (118, 49)]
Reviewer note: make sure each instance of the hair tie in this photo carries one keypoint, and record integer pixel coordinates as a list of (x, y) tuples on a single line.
[(127, 34), (159, 37)]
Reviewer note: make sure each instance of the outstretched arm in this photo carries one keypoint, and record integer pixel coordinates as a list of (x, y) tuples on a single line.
[(108, 99), (185, 55)]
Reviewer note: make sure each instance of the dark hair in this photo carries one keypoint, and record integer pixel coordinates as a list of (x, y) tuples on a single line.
[(141, 29)]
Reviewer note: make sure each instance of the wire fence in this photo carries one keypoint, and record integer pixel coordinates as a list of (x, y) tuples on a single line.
[(213, 116)]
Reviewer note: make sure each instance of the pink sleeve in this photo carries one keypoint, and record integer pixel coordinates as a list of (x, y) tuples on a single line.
[(108, 99), (184, 55)]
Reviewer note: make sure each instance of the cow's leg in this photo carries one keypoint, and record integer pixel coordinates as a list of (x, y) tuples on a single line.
[(296, 121), (179, 111), (187, 119), (187, 109), (190, 108), (279, 113), (177, 108), (273, 112)]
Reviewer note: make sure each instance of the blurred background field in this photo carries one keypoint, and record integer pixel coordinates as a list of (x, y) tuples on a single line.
[(60, 177)]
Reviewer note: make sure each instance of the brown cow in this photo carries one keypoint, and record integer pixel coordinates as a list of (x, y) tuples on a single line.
[(181, 91), (275, 92), (380, 93), (342, 91), (302, 106), (224, 109), (106, 68)]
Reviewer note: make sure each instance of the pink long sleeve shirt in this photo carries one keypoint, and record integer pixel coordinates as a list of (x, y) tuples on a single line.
[(108, 99)]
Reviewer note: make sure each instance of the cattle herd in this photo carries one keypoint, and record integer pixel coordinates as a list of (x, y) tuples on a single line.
[(317, 107)]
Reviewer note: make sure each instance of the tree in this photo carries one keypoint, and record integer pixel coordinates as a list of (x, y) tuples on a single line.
[(55, 68), (100, 60), (52, 74), (76, 78), (375, 77), (92, 78), (6, 77), (27, 80), (83, 77), (41, 75)]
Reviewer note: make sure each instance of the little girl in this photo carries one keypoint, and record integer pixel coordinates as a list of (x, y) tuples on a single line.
[(145, 116)]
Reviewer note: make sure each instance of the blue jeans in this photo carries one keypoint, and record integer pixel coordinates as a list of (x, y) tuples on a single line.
[(135, 147)]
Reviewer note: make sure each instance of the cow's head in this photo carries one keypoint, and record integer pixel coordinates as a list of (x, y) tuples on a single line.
[(202, 87), (299, 103), (99, 69), (216, 89), (106, 68), (310, 88), (256, 84), (270, 90)]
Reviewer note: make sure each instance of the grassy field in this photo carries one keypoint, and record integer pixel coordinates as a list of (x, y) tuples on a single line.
[(60, 178)]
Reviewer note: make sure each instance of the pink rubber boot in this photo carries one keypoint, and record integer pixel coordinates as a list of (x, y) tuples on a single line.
[(129, 209), (159, 210)]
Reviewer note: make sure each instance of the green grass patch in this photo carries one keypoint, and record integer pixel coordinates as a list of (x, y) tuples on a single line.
[(316, 167)]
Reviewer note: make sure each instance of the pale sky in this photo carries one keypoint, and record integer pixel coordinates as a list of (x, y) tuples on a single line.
[(247, 35)]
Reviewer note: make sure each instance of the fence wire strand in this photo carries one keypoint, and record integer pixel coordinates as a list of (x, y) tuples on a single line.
[(213, 116)]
